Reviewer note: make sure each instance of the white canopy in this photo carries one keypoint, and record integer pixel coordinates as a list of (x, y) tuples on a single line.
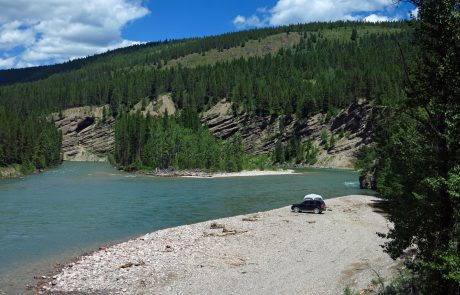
[(313, 197)]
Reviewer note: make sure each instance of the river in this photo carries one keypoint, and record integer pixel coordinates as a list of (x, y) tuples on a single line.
[(77, 207)]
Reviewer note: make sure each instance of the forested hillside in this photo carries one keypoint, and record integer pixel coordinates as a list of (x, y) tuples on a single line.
[(31, 141), (324, 70), (146, 142), (297, 70)]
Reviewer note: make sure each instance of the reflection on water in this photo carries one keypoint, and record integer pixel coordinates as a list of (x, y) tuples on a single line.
[(68, 210), (354, 184)]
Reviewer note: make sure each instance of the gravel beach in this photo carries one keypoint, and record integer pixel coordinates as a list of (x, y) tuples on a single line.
[(273, 252), (197, 173), (246, 173)]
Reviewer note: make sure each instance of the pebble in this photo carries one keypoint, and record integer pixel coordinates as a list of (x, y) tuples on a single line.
[(166, 261)]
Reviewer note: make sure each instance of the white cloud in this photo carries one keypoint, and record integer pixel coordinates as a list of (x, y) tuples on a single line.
[(58, 30), (7, 63), (374, 18), (295, 11), (302, 11), (414, 13), (248, 22), (12, 35)]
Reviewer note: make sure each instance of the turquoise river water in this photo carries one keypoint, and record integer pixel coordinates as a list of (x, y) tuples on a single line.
[(77, 207)]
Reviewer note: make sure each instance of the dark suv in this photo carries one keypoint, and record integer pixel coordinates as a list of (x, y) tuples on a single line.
[(315, 206)]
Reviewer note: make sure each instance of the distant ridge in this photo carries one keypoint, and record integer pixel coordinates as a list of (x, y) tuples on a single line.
[(200, 44)]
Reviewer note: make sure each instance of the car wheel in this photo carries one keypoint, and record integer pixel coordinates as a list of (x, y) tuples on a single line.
[(296, 209), (317, 211)]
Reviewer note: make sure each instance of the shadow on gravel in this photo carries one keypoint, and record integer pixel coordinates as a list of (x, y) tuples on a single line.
[(380, 206), (305, 212)]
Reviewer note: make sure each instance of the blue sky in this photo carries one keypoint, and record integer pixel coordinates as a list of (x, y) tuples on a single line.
[(50, 31), (178, 19)]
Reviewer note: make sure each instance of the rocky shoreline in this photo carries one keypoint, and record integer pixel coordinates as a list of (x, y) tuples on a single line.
[(14, 171), (10, 172), (273, 251)]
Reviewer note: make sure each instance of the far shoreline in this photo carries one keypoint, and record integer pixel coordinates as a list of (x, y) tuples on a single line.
[(8, 173), (246, 173), (276, 170), (203, 174)]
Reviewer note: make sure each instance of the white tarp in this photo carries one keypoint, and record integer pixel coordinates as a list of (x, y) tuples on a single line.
[(313, 197)]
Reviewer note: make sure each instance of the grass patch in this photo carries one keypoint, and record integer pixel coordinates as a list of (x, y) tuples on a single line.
[(269, 45)]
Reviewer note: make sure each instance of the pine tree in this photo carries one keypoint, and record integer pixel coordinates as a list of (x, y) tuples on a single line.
[(419, 156), (354, 35)]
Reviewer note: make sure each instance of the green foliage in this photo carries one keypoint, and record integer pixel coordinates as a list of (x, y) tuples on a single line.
[(302, 80), (257, 162), (105, 114), (325, 139), (341, 133), (453, 183), (111, 159), (27, 140), (311, 152), (332, 142), (354, 35), (189, 119), (366, 159), (320, 70), (331, 113), (27, 167), (144, 103), (232, 155), (406, 282), (419, 153), (149, 143), (295, 152), (349, 291), (278, 153), (268, 45)]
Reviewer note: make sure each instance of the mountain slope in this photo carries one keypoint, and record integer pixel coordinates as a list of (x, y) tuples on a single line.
[(280, 87)]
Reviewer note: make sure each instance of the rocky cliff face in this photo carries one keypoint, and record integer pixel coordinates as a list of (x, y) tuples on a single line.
[(87, 136), (157, 107), (350, 127)]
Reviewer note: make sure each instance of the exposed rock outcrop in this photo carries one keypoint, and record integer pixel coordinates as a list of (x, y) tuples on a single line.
[(368, 181), (350, 128), (87, 134), (157, 107)]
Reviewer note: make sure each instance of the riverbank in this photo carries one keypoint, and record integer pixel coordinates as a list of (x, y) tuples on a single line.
[(16, 171), (13, 171), (246, 173), (273, 251), (197, 173)]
